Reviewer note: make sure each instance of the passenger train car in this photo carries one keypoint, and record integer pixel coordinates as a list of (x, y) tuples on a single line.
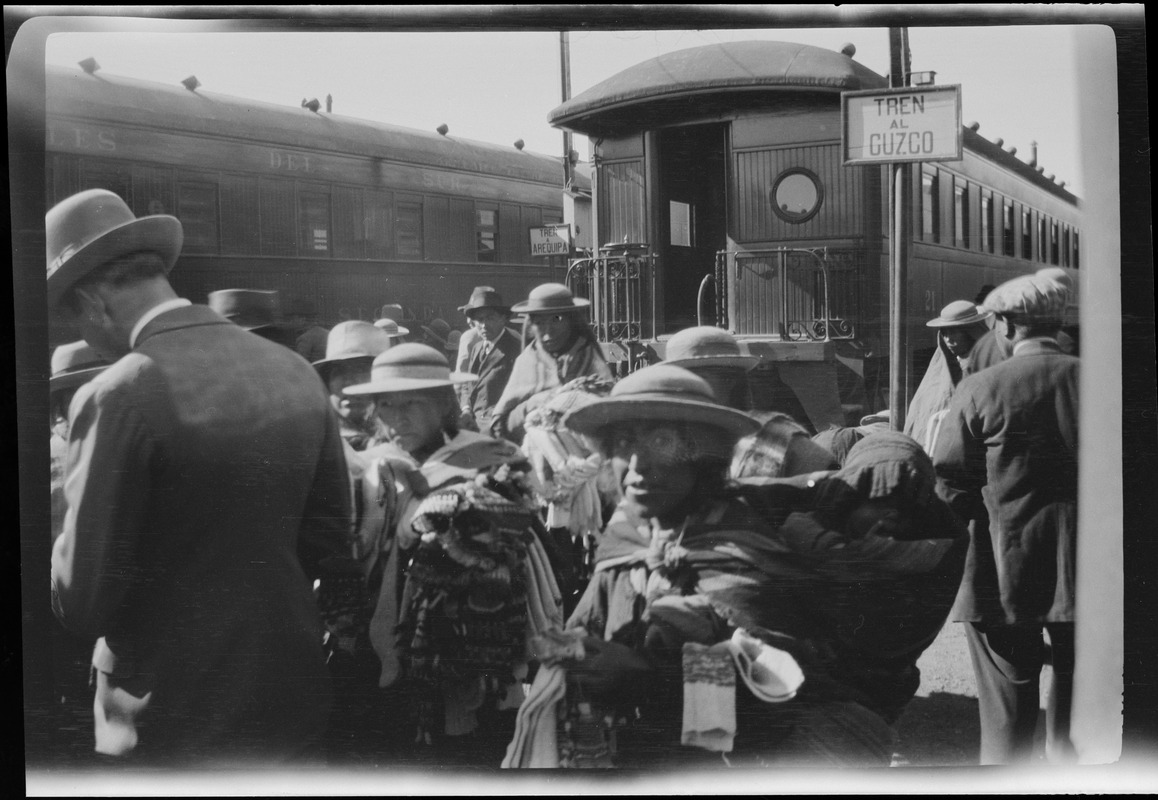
[(347, 213), (718, 180)]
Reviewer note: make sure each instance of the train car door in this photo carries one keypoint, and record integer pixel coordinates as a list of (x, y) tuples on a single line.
[(691, 215)]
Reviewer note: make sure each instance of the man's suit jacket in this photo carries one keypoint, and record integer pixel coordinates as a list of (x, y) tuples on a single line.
[(204, 471), (494, 370), (1006, 461)]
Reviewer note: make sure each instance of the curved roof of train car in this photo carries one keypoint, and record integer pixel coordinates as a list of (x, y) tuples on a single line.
[(148, 104), (730, 66)]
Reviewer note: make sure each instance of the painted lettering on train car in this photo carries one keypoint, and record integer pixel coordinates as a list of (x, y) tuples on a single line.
[(77, 137), (289, 162)]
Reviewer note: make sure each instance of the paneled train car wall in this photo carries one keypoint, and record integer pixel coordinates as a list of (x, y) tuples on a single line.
[(347, 213)]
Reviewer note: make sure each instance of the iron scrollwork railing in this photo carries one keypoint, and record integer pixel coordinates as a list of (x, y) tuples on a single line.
[(791, 292), (620, 283)]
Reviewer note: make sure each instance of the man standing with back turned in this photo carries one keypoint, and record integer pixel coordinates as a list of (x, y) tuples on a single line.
[(206, 487), (1006, 460)]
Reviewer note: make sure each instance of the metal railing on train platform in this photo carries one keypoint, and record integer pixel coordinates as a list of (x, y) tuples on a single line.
[(791, 293), (620, 283)]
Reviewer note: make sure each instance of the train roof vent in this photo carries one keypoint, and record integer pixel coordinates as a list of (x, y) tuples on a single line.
[(849, 49), (191, 83), (313, 104), (89, 65), (443, 129), (520, 144)]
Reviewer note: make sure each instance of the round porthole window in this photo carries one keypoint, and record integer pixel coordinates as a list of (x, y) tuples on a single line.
[(797, 194)]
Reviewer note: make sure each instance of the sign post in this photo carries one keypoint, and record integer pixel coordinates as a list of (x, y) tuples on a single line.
[(899, 126)]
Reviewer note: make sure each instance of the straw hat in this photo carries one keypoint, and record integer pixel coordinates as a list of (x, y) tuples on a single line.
[(407, 367), (485, 297), (252, 309), (354, 339), (661, 392), (960, 313), (96, 226), (73, 364), (706, 346), (550, 297), (392, 328)]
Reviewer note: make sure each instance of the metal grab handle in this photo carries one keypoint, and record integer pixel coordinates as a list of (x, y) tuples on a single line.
[(700, 298)]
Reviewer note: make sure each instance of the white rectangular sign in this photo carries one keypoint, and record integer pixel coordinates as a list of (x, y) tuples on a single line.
[(911, 123), (552, 240)]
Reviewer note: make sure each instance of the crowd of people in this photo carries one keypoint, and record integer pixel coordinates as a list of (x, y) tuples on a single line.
[(276, 543)]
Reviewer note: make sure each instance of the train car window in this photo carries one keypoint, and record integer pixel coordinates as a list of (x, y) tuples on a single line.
[(1008, 241), (408, 230), (314, 224), (960, 213), (1075, 261), (278, 230), (197, 210), (99, 174), (349, 223), (1065, 246), (680, 215), (1026, 234), (797, 195), (487, 234), (152, 190), (240, 235), (1042, 241), (930, 206), (1054, 244), (986, 223), (378, 224)]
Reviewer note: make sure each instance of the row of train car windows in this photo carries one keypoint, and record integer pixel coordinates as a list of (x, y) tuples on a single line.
[(1005, 227), (235, 215)]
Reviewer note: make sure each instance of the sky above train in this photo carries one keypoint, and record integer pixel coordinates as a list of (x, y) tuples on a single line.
[(1018, 82)]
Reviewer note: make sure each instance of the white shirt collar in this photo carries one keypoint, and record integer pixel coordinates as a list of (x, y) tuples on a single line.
[(1034, 339), (153, 313)]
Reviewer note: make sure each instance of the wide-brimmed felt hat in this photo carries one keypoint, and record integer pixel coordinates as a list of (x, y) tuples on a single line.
[(548, 298), (661, 392), (73, 364), (1030, 298), (96, 226), (409, 367), (958, 314), (252, 309), (353, 339), (485, 297), (706, 346), (438, 329), (392, 328)]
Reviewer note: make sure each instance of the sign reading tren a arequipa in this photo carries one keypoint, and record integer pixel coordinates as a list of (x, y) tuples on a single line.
[(551, 240), (911, 123)]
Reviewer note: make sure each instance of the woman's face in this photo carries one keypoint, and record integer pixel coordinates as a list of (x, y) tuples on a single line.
[(358, 410), (958, 340), (555, 331), (656, 465), (414, 418)]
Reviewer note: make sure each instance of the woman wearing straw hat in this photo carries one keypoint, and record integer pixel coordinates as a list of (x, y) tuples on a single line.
[(564, 349), (960, 326), (459, 514), (694, 574)]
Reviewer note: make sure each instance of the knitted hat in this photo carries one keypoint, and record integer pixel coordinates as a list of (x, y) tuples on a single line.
[(706, 346), (94, 227), (1029, 298), (661, 392), (550, 297), (408, 367)]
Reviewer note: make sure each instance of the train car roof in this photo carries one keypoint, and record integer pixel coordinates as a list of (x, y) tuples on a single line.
[(730, 67), (145, 104)]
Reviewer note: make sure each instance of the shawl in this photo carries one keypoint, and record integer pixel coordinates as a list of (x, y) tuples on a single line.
[(536, 371), (941, 378)]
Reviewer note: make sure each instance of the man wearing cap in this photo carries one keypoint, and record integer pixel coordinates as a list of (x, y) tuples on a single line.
[(206, 483), (1006, 461), (960, 326), (491, 358), (564, 349)]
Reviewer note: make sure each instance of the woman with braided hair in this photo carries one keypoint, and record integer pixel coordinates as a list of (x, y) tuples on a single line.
[(460, 579)]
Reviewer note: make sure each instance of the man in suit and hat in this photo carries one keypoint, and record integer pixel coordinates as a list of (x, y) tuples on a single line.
[(206, 483), (1006, 461), (256, 310), (491, 358)]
